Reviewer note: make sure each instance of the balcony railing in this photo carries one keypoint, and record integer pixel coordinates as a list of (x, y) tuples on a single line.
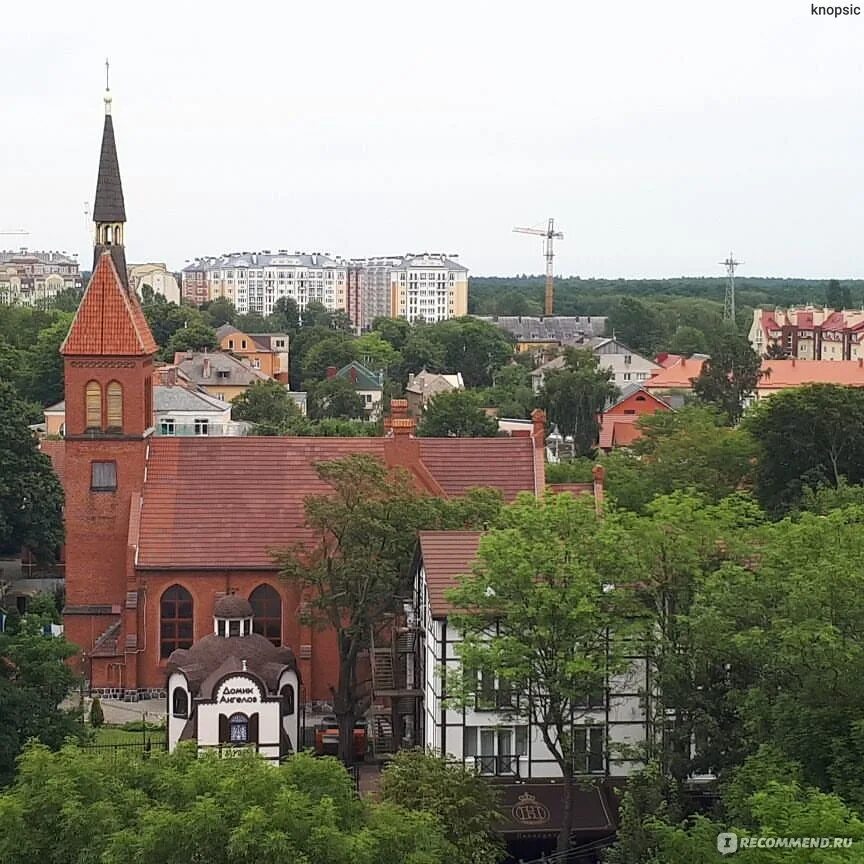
[(199, 430)]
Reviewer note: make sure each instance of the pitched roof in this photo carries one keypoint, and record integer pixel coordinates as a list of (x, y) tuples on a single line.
[(227, 502), (360, 377), (619, 430), (629, 390), (678, 375), (796, 373), (236, 372), (108, 205), (109, 320), (178, 398), (446, 555)]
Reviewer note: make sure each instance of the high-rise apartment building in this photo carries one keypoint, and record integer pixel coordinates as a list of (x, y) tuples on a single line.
[(254, 281), (35, 278), (428, 286), (808, 333)]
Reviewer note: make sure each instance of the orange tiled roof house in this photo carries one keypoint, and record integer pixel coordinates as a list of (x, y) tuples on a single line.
[(159, 528)]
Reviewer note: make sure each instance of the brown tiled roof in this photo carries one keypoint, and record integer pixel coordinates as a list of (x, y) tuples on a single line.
[(446, 555), (232, 606), (213, 657), (227, 502), (109, 320), (459, 464)]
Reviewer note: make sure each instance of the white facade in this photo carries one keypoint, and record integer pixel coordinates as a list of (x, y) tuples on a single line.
[(628, 366), (428, 287), (158, 277), (506, 743), (254, 281), (36, 278)]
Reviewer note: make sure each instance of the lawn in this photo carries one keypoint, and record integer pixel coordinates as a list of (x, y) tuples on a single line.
[(117, 735)]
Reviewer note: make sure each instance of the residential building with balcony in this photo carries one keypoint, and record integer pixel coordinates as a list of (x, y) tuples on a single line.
[(254, 281), (429, 287), (627, 366), (809, 333), (36, 278)]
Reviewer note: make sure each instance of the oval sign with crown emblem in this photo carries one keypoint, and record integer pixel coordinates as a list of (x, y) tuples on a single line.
[(529, 811)]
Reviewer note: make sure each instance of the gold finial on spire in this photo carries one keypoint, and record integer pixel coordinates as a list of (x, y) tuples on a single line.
[(107, 88)]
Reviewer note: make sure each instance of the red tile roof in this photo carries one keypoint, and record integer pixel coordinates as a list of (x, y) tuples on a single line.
[(619, 430), (227, 502), (796, 373), (677, 376), (109, 320), (446, 555)]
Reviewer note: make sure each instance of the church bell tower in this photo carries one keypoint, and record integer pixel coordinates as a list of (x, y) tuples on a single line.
[(107, 358)]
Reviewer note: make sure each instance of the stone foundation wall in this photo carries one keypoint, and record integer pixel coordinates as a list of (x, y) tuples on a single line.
[(120, 695)]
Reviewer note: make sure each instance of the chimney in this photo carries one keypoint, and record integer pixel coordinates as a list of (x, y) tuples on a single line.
[(399, 423), (861, 362), (170, 376), (538, 433), (793, 362), (331, 372), (598, 472), (206, 367)]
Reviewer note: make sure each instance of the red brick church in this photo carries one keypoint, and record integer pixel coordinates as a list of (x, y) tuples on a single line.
[(159, 528)]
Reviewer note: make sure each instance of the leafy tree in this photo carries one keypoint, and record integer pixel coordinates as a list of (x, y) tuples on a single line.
[(34, 680), (474, 348), (396, 331), (171, 809), (316, 314), (219, 311), (334, 398), (637, 324), (544, 577), (67, 300), (165, 318), (375, 352), (268, 405), (574, 396), (776, 351), (686, 449), (31, 498), (687, 341), (458, 414), (810, 436), (511, 392), (422, 351), (729, 377), (837, 298), (357, 573), (335, 350), (97, 715), (251, 322), (195, 337), (286, 315), (41, 377), (464, 802)]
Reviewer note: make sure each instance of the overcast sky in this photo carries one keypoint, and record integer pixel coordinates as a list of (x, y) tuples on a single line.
[(660, 135)]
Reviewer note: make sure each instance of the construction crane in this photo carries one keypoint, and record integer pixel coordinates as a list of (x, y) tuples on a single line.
[(551, 235)]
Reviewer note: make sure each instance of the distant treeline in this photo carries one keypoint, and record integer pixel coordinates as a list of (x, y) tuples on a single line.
[(652, 315)]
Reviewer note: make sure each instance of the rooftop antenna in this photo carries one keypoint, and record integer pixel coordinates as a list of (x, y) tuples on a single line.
[(729, 300)]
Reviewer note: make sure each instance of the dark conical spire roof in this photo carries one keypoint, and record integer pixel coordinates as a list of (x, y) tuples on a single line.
[(108, 206)]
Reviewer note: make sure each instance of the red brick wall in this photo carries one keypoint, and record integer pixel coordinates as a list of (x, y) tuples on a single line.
[(318, 672)]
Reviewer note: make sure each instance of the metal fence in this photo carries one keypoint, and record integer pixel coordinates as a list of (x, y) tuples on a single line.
[(142, 749)]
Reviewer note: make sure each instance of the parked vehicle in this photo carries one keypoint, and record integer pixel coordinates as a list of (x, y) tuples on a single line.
[(327, 738)]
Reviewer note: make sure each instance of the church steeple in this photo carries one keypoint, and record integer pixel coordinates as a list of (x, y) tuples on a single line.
[(109, 211)]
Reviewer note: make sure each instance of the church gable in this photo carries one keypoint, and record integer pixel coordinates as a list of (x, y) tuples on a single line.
[(109, 320)]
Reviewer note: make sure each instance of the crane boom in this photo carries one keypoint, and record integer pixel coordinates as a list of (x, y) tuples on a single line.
[(551, 235)]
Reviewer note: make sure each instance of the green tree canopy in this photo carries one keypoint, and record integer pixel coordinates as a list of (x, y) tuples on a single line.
[(31, 497), (545, 577), (463, 801), (197, 336), (286, 315), (334, 349), (808, 437), (334, 398), (458, 414), (174, 809), (268, 405), (473, 347), (219, 311), (729, 377), (34, 680), (574, 396)]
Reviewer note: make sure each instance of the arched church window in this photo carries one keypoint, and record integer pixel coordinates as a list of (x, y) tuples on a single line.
[(180, 702), (267, 609), (114, 400), (175, 625), (93, 405)]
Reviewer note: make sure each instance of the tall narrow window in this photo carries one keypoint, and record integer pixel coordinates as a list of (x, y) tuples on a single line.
[(114, 401), (180, 703), (267, 608), (175, 626), (93, 405)]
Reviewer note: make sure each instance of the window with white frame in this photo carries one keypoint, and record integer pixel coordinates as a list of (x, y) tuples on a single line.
[(167, 426), (495, 750)]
